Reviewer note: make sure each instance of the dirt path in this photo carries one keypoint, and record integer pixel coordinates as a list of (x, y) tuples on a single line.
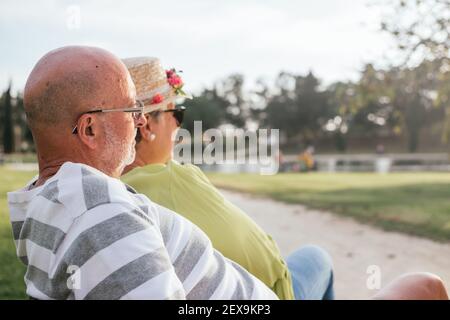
[(353, 246)]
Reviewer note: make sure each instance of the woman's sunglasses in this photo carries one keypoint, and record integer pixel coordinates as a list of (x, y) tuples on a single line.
[(178, 114)]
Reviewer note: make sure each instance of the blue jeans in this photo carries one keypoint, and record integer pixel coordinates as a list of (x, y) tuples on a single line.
[(312, 273)]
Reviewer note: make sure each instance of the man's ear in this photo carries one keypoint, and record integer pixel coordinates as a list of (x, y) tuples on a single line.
[(89, 130)]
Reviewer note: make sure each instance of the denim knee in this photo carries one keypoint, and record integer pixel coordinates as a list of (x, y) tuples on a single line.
[(311, 271), (321, 257)]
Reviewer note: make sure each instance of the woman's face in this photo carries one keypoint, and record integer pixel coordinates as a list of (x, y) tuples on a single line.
[(164, 126)]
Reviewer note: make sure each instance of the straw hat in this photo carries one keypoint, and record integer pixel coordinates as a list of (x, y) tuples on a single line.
[(155, 86)]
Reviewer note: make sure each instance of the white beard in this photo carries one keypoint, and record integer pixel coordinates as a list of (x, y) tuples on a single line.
[(118, 153), (131, 154)]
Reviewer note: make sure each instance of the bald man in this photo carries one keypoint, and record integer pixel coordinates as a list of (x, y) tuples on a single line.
[(81, 232), (62, 88)]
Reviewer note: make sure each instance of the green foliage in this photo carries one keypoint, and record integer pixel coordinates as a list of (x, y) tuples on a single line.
[(208, 107), (8, 126), (299, 107), (421, 29), (394, 102), (12, 271), (12, 119)]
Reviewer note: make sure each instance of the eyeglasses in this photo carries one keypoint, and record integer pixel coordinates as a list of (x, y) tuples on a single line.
[(178, 114), (136, 112)]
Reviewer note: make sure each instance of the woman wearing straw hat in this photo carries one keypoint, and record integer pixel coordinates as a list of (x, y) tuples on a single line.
[(306, 274), (187, 191)]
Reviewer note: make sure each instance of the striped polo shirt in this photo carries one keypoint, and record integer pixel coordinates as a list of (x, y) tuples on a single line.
[(85, 235)]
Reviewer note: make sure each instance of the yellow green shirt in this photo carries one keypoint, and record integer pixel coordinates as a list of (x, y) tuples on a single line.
[(187, 191)]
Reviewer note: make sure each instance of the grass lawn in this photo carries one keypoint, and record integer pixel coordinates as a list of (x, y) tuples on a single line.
[(12, 270), (414, 203)]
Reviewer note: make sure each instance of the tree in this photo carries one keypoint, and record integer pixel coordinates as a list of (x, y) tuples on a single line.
[(8, 125), (363, 108), (20, 119), (237, 109), (400, 101), (421, 29), (299, 108), (208, 107), (343, 103), (416, 98)]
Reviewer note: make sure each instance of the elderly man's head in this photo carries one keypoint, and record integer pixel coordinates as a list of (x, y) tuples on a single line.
[(63, 87)]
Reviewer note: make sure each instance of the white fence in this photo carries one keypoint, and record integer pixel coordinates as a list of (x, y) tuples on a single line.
[(380, 163)]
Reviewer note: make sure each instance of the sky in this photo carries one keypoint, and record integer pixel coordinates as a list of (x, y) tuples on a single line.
[(207, 39)]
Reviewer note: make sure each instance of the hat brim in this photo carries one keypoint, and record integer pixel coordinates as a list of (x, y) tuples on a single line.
[(157, 106)]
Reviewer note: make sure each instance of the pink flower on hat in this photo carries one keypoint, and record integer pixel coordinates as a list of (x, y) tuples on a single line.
[(169, 73), (175, 81), (157, 98)]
